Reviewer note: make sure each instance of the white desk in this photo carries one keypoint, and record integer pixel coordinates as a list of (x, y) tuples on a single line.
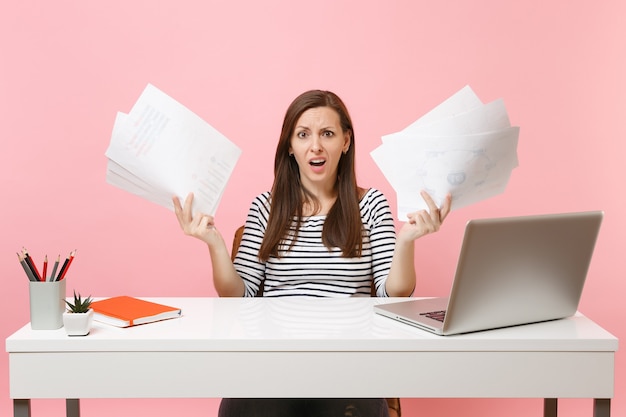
[(310, 348)]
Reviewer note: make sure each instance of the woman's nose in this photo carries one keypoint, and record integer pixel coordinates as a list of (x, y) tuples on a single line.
[(316, 146)]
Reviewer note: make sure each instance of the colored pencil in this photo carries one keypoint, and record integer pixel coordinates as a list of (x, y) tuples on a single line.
[(72, 254), (29, 273), (62, 270), (54, 268), (31, 264), (45, 268)]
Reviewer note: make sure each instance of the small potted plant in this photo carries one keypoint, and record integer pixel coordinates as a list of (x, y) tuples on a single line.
[(78, 316)]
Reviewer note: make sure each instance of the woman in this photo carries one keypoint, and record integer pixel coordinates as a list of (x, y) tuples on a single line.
[(315, 234)]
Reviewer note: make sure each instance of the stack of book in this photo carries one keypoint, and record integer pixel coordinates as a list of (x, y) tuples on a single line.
[(125, 311)]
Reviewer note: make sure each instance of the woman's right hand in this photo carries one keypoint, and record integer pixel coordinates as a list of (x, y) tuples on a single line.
[(200, 226)]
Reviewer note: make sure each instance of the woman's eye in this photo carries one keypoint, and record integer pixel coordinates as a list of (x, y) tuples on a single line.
[(301, 135), (328, 133)]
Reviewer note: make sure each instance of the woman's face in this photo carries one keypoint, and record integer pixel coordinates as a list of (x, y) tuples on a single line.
[(317, 144)]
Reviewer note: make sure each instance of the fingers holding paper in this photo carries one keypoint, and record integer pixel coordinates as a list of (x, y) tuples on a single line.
[(200, 225), (423, 222)]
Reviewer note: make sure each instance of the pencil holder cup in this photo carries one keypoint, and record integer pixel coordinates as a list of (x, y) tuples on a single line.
[(47, 304)]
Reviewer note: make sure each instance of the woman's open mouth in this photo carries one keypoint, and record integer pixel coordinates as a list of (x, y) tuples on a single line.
[(317, 162)]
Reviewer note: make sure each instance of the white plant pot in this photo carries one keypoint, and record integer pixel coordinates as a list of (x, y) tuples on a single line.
[(77, 324)]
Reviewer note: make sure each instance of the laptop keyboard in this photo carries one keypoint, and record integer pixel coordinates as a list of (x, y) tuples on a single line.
[(435, 315)]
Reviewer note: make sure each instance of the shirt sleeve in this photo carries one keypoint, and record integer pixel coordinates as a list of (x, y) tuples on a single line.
[(382, 235), (247, 263)]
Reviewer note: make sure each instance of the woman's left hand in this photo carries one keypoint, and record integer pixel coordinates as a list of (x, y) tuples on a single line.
[(424, 222)]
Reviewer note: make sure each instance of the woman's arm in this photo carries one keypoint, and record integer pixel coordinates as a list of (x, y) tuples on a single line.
[(401, 279), (202, 226)]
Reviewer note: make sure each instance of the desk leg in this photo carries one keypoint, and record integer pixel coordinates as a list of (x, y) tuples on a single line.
[(21, 408), (602, 407), (550, 407), (72, 407)]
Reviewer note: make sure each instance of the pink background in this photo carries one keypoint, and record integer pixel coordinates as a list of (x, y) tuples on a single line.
[(66, 68)]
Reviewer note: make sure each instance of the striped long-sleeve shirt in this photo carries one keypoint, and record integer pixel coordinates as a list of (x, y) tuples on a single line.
[(311, 269)]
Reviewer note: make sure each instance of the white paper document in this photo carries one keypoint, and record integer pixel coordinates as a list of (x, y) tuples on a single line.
[(462, 147), (161, 149)]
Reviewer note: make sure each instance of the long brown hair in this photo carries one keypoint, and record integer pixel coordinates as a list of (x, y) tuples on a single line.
[(343, 225)]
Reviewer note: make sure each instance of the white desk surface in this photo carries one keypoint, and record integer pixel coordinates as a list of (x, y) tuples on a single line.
[(217, 324), (311, 347)]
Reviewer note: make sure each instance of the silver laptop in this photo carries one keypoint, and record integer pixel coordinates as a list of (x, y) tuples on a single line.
[(511, 271)]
